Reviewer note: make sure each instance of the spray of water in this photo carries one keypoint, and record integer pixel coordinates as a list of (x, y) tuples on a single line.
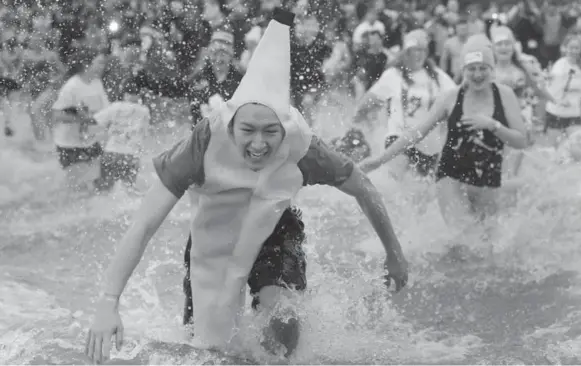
[(511, 297)]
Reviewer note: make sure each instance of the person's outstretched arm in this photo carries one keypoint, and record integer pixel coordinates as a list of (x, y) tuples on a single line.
[(107, 323), (323, 165), (177, 169), (370, 200), (156, 205), (436, 114)]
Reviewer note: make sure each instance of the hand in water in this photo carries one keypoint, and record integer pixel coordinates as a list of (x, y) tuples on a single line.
[(477, 122), (107, 323), (397, 269)]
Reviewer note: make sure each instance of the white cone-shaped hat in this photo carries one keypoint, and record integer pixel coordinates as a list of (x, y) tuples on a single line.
[(267, 78)]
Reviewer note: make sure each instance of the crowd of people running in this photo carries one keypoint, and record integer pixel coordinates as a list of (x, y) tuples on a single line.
[(198, 52), (455, 88)]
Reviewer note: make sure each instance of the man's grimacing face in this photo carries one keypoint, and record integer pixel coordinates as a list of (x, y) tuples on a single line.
[(257, 134)]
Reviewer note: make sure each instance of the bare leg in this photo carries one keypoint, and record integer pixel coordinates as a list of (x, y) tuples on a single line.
[(455, 204), (484, 201), (284, 327)]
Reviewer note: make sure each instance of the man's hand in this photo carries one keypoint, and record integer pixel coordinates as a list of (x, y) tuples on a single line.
[(397, 270), (107, 323)]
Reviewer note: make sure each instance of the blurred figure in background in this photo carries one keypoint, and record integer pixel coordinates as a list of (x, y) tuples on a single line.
[(408, 91), (82, 95), (205, 89), (451, 60), (308, 52), (251, 40), (125, 124), (371, 62), (121, 65), (565, 85)]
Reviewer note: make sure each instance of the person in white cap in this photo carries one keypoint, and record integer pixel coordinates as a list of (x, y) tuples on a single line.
[(481, 117), (408, 89), (243, 166)]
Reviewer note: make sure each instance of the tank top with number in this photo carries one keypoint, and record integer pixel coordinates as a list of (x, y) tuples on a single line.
[(408, 105)]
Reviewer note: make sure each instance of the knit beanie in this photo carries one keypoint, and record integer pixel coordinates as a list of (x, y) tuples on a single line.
[(478, 48)]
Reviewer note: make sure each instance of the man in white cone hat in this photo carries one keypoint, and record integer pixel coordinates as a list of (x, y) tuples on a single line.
[(243, 166)]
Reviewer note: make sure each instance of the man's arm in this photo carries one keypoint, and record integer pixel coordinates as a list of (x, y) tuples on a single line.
[(370, 200), (322, 165)]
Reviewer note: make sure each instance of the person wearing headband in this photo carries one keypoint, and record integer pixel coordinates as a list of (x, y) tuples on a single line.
[(242, 167), (480, 118), (408, 89)]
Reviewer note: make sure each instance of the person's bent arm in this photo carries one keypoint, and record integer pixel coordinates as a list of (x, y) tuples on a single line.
[(412, 136), (156, 205), (323, 165), (540, 90), (515, 134), (359, 186), (177, 169)]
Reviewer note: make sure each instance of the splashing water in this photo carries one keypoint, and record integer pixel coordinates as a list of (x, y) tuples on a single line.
[(512, 299)]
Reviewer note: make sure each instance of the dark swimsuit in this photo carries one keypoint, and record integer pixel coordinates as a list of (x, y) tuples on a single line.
[(472, 157)]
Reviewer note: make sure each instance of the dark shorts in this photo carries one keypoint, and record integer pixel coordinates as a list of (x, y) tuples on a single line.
[(115, 167), (73, 155), (423, 164), (281, 261), (560, 123)]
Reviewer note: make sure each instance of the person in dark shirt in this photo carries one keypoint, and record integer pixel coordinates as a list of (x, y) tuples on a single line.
[(218, 77), (528, 30), (371, 62), (195, 35), (71, 26), (238, 14), (122, 66)]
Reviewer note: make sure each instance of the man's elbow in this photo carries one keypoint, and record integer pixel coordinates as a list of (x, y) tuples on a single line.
[(358, 185)]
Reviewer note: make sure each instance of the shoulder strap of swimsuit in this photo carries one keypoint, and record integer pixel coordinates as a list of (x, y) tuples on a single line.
[(498, 106), (457, 110)]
